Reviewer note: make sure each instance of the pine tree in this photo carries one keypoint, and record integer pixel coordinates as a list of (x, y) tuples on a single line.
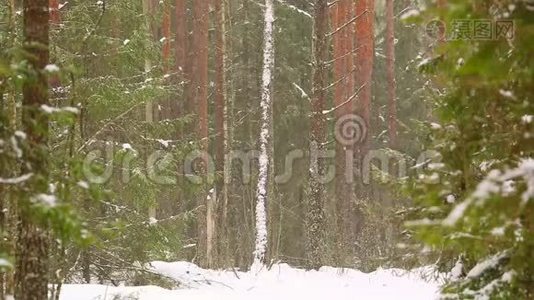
[(477, 207), (200, 93), (31, 273), (342, 107), (315, 221)]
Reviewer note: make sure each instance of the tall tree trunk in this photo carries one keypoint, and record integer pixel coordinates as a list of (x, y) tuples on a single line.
[(264, 182), (315, 213), (181, 36), (31, 274), (342, 75), (364, 70), (390, 66), (149, 108), (181, 44), (221, 144), (55, 20), (200, 93), (365, 57), (8, 209), (166, 32)]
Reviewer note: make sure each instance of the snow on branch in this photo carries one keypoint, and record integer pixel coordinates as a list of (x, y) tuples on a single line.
[(16, 180), (348, 23), (296, 9), (497, 183)]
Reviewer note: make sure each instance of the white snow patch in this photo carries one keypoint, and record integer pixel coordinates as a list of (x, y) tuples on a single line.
[(451, 198), (410, 14), (485, 265), (498, 231), (507, 94), (50, 110), (20, 134), (51, 68), (4, 263), (280, 282), (16, 180), (457, 213), (127, 146), (527, 119), (48, 200), (457, 270), (83, 184)]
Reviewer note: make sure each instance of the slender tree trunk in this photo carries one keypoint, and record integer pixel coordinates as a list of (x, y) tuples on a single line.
[(55, 21), (315, 213), (342, 76), (166, 32), (390, 66), (262, 192), (365, 57), (149, 108), (200, 92), (364, 70), (181, 43), (181, 37), (31, 274), (221, 129), (8, 210)]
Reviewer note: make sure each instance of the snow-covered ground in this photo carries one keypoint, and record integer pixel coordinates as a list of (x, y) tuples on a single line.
[(278, 283)]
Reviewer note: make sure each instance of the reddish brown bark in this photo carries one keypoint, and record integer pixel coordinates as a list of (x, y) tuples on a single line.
[(343, 84), (390, 66), (166, 35), (31, 273), (180, 41), (54, 12), (365, 56)]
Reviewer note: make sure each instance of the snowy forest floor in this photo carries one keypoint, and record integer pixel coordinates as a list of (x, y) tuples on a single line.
[(280, 282)]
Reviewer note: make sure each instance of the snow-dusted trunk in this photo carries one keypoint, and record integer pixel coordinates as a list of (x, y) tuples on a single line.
[(315, 211), (221, 130), (262, 192)]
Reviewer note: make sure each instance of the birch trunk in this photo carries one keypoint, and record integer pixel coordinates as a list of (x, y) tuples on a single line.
[(262, 191)]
